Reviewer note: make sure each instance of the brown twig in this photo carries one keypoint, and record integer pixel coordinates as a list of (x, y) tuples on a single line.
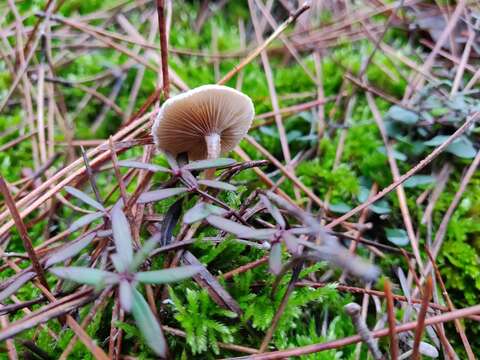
[(391, 321), (427, 294), (163, 47)]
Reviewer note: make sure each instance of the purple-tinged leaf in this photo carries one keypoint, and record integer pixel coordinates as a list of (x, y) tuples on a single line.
[(17, 284), (84, 197), (291, 242), (209, 164), (144, 251), (148, 325), (118, 262), (273, 210), (125, 293), (143, 166), (122, 236), (201, 211), (156, 195), (301, 231), (171, 161), (85, 275), (168, 275), (239, 230), (275, 259), (85, 220), (104, 233), (188, 179), (70, 250), (170, 221), (217, 185)]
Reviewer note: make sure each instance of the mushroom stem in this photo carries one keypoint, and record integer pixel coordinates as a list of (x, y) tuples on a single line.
[(213, 145)]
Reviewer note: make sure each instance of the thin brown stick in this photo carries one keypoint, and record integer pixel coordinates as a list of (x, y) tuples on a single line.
[(427, 294), (391, 321), (163, 47), (22, 230), (336, 344)]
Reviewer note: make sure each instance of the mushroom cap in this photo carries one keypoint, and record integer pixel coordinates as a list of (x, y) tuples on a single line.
[(184, 120)]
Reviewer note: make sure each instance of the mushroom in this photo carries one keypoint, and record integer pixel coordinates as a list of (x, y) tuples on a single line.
[(203, 122)]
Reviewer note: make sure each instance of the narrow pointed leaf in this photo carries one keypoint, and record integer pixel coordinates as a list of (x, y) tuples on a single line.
[(171, 160), (84, 197), (125, 293), (141, 255), (275, 258), (85, 220), (122, 235), (144, 166), (273, 210), (209, 164), (168, 275), (148, 325), (170, 221), (70, 250), (85, 275), (201, 211), (17, 284), (156, 195), (301, 230), (217, 185), (291, 242), (239, 230)]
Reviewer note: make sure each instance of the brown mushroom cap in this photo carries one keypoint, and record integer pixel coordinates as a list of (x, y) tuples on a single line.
[(184, 121)]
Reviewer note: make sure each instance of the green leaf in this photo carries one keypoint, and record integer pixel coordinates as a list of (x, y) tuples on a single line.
[(217, 185), (398, 237), (168, 275), (85, 275), (461, 147), (157, 195), (209, 164), (84, 197), (340, 208), (122, 237), (148, 325), (396, 154), (419, 180), (402, 115)]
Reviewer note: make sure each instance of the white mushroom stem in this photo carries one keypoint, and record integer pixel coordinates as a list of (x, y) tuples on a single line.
[(213, 145)]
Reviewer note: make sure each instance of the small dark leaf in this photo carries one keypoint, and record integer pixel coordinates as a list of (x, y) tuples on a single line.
[(209, 164), (144, 166), (273, 210), (148, 325), (340, 208), (70, 250), (17, 284), (239, 230), (158, 195), (125, 292), (122, 236), (217, 185), (85, 220), (168, 275), (87, 276), (275, 259), (169, 222), (396, 154), (84, 197)]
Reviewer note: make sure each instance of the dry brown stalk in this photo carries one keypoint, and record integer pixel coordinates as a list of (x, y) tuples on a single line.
[(427, 294)]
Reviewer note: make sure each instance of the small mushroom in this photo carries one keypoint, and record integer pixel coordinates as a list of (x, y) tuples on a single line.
[(204, 122)]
